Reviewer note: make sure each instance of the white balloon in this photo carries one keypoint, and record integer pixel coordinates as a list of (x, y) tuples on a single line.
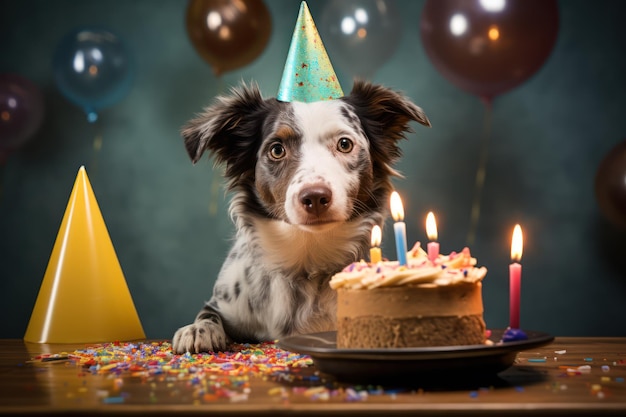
[(360, 35)]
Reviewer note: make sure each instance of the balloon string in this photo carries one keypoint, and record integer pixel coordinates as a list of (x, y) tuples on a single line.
[(216, 177), (96, 146), (4, 155), (220, 85), (481, 173)]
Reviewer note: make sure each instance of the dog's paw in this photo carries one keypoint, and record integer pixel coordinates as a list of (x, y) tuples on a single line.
[(201, 336)]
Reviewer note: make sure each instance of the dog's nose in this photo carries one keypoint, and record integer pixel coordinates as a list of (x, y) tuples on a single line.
[(316, 200)]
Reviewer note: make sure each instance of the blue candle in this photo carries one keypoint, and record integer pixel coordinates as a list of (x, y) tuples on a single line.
[(399, 227)]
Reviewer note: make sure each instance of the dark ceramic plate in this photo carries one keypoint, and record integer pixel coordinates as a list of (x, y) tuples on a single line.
[(399, 364)]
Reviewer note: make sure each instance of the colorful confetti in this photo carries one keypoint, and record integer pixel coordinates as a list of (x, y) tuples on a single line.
[(148, 359), (213, 376)]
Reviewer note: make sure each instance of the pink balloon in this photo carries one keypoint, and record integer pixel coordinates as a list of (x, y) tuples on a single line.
[(21, 111)]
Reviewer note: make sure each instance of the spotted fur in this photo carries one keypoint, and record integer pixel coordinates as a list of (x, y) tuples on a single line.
[(308, 181)]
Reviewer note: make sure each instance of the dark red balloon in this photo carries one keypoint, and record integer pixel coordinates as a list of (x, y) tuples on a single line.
[(610, 185), (487, 47), (21, 111), (228, 34)]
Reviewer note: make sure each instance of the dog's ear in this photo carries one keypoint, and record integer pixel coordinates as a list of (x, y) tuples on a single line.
[(230, 128), (385, 116), (386, 112)]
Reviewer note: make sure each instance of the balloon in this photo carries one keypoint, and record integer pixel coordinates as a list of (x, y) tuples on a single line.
[(610, 185), (21, 111), (487, 47), (361, 35), (93, 69), (228, 34)]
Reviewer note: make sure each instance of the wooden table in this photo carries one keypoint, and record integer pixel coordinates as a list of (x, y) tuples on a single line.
[(571, 376)]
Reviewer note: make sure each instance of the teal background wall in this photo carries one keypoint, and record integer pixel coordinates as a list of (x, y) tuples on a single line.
[(168, 219)]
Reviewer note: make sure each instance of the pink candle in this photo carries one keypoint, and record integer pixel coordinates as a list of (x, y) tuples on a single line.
[(515, 278), (431, 231)]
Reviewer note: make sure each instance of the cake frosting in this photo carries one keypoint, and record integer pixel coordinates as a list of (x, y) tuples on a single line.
[(423, 303), (451, 269)]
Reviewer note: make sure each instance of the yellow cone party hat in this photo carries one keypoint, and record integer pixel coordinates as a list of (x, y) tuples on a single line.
[(83, 297)]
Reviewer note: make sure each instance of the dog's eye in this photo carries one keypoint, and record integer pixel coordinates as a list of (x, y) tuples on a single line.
[(345, 145), (277, 151)]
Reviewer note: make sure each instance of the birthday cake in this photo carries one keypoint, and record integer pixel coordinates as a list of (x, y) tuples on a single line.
[(427, 302)]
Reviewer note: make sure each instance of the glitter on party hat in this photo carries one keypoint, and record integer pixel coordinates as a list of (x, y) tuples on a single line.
[(83, 297), (308, 75)]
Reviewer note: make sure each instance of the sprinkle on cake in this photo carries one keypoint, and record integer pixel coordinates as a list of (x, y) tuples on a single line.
[(420, 270)]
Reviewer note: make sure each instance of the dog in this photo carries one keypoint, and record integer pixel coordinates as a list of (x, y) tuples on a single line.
[(308, 182)]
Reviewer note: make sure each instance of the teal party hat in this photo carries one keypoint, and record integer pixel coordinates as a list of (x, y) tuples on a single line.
[(308, 75)]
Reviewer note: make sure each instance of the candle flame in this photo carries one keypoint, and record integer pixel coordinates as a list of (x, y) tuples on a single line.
[(517, 244), (377, 236), (431, 226), (397, 211)]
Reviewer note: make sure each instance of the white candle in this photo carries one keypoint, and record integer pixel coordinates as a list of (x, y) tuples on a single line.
[(431, 231), (515, 277), (375, 252), (399, 227)]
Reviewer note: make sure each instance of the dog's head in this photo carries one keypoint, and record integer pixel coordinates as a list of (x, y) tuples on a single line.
[(313, 165)]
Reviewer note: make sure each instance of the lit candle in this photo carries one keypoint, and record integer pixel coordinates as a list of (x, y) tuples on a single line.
[(399, 227), (431, 231), (375, 253), (515, 277)]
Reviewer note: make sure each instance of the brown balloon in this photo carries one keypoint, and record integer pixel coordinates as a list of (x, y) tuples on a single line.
[(228, 34), (487, 47), (610, 185)]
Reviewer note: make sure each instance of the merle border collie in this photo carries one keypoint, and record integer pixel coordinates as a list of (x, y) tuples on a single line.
[(308, 181)]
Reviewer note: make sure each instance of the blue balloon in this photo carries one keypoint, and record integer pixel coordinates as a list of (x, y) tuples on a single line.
[(93, 69)]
